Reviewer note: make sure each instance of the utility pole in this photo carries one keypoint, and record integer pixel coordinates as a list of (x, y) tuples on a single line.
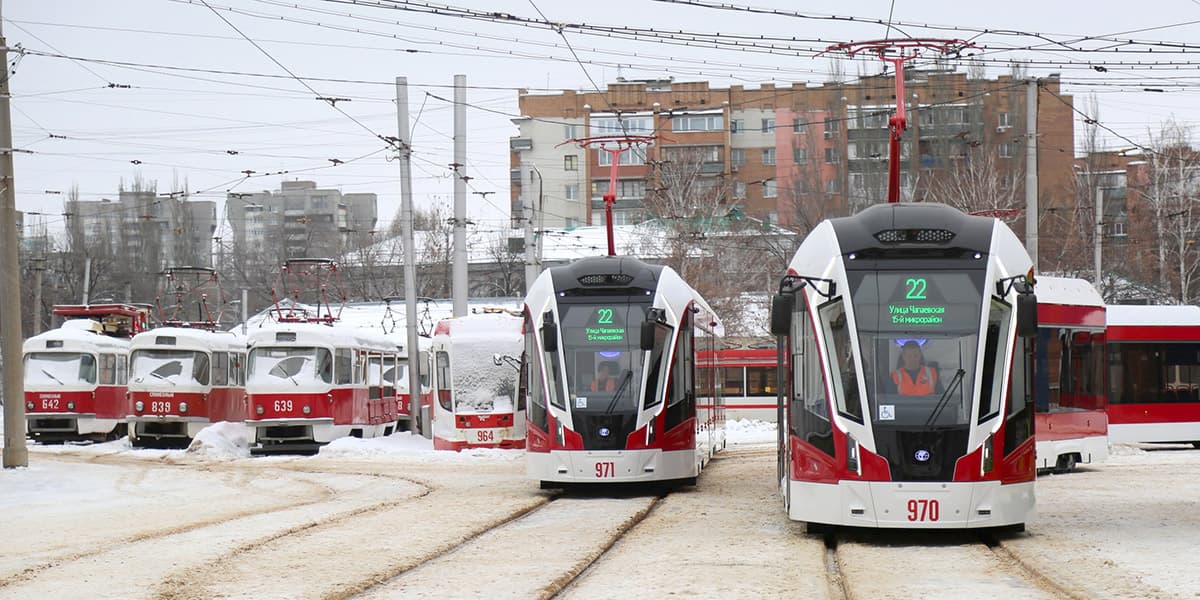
[(1099, 234), (15, 452), (532, 268), (1031, 179), (39, 266), (416, 415), (459, 279)]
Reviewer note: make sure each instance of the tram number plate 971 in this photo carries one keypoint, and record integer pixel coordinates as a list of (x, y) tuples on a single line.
[(921, 509), (606, 469)]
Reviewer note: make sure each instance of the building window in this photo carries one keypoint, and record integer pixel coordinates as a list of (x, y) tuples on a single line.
[(571, 162), (708, 154), (624, 125), (768, 156), (773, 217), (798, 126), (698, 123), (769, 190), (832, 186), (1005, 120), (571, 191), (831, 127), (800, 155), (634, 156), (737, 125), (570, 132), (739, 189), (858, 183), (832, 156), (768, 125), (737, 157), (1007, 150), (627, 189)]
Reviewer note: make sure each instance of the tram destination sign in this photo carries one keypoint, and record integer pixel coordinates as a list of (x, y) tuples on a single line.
[(911, 306), (605, 326)]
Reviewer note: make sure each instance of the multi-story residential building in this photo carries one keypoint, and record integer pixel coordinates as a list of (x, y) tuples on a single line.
[(299, 220), (151, 230), (794, 155)]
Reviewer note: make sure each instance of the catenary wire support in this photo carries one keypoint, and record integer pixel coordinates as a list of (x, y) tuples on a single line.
[(897, 52), (615, 146)]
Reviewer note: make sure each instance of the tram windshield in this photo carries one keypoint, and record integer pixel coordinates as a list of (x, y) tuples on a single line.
[(173, 367), (269, 365), (59, 369), (919, 334), (480, 385), (603, 355)]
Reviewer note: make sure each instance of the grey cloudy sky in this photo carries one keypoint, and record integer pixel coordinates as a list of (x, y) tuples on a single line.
[(197, 103)]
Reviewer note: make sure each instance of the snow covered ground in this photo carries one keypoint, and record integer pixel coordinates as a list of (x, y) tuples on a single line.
[(391, 517)]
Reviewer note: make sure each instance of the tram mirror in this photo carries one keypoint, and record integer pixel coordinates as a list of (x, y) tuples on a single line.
[(1027, 321), (781, 314), (647, 335), (549, 337)]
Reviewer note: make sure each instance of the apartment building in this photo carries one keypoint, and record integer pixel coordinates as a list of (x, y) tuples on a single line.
[(300, 220), (152, 230)]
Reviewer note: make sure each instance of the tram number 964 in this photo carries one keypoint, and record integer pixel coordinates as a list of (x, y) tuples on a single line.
[(485, 435), (923, 510), (606, 469)]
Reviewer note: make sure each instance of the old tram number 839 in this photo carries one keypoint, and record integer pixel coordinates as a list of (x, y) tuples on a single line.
[(923, 510)]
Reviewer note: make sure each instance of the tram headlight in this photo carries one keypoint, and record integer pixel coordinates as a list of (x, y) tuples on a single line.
[(183, 407), (70, 406), (259, 409), (988, 462), (29, 406), (851, 453), (139, 406), (306, 410)]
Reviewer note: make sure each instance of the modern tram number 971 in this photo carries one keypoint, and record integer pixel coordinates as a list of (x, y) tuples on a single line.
[(606, 469), (923, 510)]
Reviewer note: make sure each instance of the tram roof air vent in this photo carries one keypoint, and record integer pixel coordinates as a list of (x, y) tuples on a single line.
[(914, 236), (606, 279)]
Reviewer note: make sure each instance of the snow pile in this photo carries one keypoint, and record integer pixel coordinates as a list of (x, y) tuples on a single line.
[(411, 446), (222, 440), (745, 432)]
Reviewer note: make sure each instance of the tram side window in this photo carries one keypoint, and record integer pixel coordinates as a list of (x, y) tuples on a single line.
[(809, 412), (734, 379), (122, 369), (682, 403), (531, 370), (344, 365), (108, 369), (443, 379), (1019, 421), (841, 360), (238, 369), (220, 368), (993, 359), (760, 381), (654, 367), (1086, 373)]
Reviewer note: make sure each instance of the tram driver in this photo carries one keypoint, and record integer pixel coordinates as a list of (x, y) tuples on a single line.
[(912, 376), (606, 377)]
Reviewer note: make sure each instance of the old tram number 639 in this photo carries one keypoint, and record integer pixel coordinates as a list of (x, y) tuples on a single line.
[(923, 510)]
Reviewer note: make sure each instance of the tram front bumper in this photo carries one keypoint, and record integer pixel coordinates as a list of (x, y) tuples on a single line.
[(916, 505), (610, 466)]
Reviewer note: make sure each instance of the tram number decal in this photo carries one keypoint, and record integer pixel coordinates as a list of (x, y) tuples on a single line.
[(916, 288), (283, 406), (49, 403), (923, 510), (604, 316), (485, 435), (160, 407), (606, 469)]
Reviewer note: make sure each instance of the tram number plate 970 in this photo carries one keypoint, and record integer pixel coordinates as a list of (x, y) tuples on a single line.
[(921, 509), (606, 469)]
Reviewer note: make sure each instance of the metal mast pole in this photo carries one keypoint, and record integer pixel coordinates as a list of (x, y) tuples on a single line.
[(1099, 233), (531, 271), (1031, 179), (459, 289), (410, 256), (15, 453)]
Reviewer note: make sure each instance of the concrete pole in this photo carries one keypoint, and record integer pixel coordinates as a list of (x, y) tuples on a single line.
[(1099, 235), (15, 453), (245, 309), (415, 416), (531, 270), (459, 280), (1031, 179), (87, 279), (38, 268)]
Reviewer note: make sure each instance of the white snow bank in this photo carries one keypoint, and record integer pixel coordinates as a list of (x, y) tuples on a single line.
[(222, 440), (745, 432), (411, 447)]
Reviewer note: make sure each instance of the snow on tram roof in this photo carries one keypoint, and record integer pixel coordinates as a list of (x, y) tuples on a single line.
[(1066, 290), (324, 334), (1150, 314), (77, 333), (188, 336), (485, 325)]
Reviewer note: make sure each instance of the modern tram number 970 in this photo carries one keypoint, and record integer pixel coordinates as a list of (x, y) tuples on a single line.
[(606, 469), (923, 510)]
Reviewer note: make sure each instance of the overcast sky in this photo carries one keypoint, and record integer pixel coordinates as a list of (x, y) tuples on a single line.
[(196, 103)]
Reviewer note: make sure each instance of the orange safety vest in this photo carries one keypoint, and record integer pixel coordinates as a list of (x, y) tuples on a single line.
[(610, 384), (924, 385)]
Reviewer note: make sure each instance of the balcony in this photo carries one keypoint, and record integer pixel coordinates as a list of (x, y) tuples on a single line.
[(710, 167)]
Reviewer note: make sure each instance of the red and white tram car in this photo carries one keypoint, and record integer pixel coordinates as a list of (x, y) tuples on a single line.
[(907, 399), (476, 387), (747, 377), (618, 390), (75, 374), (308, 384), (1154, 374), (1069, 365), (180, 381)]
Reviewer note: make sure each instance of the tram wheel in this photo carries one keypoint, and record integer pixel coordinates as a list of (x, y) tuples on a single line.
[(1066, 463), (1196, 445)]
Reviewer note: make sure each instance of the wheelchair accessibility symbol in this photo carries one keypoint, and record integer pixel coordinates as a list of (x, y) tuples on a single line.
[(887, 412)]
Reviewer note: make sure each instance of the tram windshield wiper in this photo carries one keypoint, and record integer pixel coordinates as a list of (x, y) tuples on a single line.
[(51, 376), (620, 391), (945, 399)]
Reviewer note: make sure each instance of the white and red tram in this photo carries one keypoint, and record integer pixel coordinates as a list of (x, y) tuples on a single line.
[(1154, 374), (308, 384), (617, 390), (1069, 373), (181, 380), (75, 375), (748, 380), (477, 402), (906, 390)]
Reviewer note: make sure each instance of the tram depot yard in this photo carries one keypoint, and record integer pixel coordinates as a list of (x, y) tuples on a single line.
[(390, 517)]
